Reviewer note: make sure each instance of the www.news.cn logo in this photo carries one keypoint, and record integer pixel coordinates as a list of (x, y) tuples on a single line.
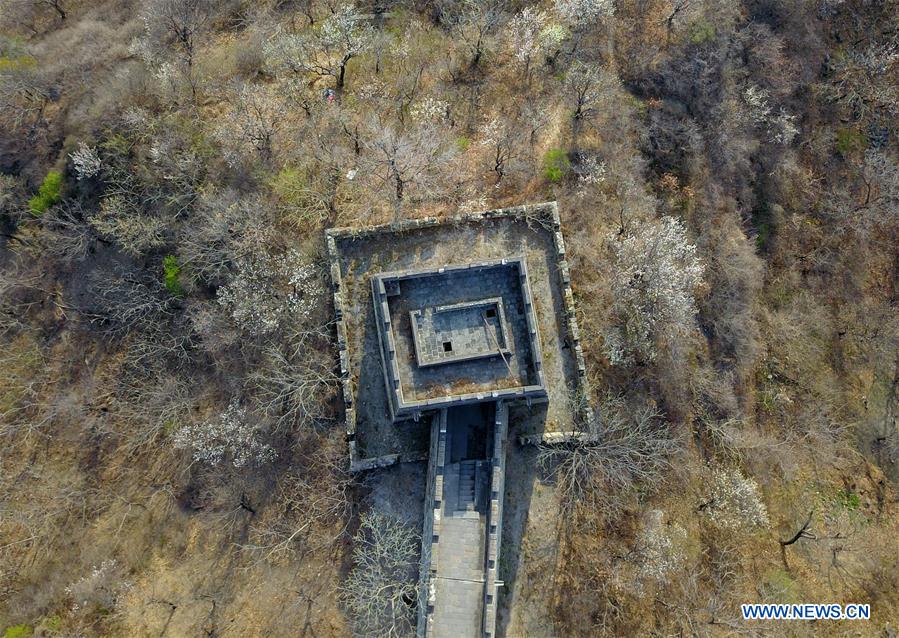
[(807, 611)]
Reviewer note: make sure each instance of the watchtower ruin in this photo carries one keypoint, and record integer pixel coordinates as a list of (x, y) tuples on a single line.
[(445, 329)]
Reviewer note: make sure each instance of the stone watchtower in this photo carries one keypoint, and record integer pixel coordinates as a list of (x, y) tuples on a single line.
[(442, 326)]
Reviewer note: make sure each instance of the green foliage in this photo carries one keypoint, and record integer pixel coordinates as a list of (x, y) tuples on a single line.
[(170, 275), (848, 500), (462, 143), (637, 104), (701, 32), (48, 194), (763, 232), (556, 165), (779, 586), (53, 623), (288, 186), (18, 631), (8, 63), (849, 141), (117, 145)]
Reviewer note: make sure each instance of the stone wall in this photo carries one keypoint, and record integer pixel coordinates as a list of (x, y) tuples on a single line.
[(574, 333), (430, 531), (495, 518)]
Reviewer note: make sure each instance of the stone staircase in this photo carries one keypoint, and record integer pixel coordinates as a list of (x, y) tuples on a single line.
[(466, 493)]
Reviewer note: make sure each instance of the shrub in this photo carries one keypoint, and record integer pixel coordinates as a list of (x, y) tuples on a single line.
[(48, 194), (171, 271), (778, 585), (297, 200), (701, 32), (18, 631), (53, 623), (849, 141), (848, 500), (556, 165)]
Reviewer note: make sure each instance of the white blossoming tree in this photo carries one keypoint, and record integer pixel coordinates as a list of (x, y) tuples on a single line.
[(233, 437), (582, 12), (591, 171), (326, 51), (660, 549), (266, 290), (86, 161), (99, 591), (531, 32), (734, 502), (779, 125), (430, 110), (655, 273)]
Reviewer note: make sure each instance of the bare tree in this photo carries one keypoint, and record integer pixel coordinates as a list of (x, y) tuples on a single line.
[(593, 88), (400, 157), (381, 590), (327, 50), (622, 448), (313, 503), (225, 228), (296, 382), (121, 219), (173, 25), (864, 80), (148, 402), (30, 13), (124, 300), (253, 124), (67, 234), (25, 90), (12, 197), (499, 136), (22, 384), (475, 25)]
